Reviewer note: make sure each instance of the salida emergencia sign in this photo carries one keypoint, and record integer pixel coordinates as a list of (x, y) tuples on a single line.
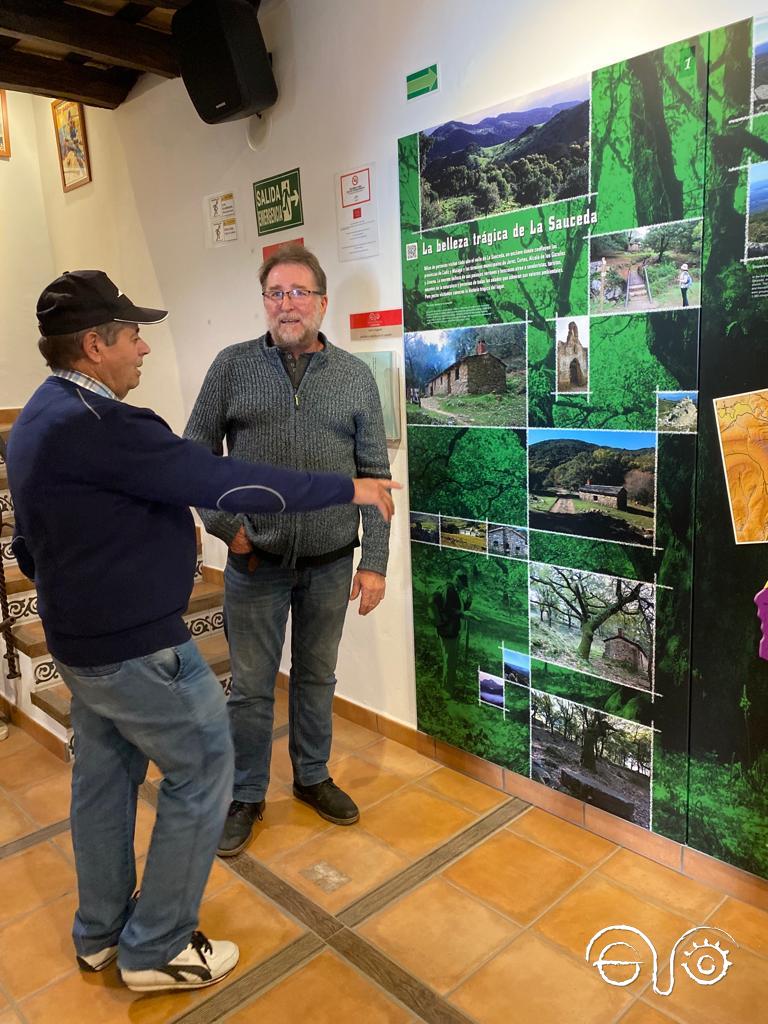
[(278, 202)]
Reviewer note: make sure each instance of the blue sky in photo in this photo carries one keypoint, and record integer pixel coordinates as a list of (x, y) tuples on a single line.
[(761, 32), (628, 439), (677, 396), (516, 660), (758, 187)]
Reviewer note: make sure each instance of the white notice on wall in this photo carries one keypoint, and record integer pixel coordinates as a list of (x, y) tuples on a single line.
[(357, 214), (220, 218)]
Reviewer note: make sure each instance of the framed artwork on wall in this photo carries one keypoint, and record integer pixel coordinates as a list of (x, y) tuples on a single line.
[(71, 144), (5, 139)]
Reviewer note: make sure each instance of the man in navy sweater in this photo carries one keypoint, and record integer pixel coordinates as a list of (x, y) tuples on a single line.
[(102, 493)]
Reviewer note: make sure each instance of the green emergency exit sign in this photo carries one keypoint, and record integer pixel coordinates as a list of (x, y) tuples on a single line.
[(421, 82), (278, 202)]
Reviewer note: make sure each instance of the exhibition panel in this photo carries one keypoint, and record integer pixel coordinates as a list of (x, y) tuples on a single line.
[(573, 260)]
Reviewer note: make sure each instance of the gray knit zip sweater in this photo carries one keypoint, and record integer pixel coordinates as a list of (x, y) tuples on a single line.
[(333, 422)]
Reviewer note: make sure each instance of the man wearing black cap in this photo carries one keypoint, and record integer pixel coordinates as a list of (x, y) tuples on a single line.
[(101, 492)]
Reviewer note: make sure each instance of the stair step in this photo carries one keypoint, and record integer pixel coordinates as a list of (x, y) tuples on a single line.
[(55, 700), (30, 638), (15, 580)]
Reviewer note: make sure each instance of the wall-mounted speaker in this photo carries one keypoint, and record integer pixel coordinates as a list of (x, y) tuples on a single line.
[(223, 60)]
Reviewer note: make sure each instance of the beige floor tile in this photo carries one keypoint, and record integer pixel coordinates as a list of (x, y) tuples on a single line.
[(339, 866), (28, 766), (439, 933), (153, 773), (324, 991), (662, 885), (364, 782), (17, 740), (414, 821), (9, 1017), (145, 822), (63, 842), (242, 915), (32, 878), (101, 998), (599, 903), (476, 796), (37, 948), (350, 736), (738, 999), (14, 823), (394, 757), (48, 801), (287, 824), (642, 1013), (281, 708), (748, 925), (562, 837), (515, 876), (531, 983), (281, 769)]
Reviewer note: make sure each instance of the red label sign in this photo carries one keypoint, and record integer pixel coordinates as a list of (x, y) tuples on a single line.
[(269, 249), (376, 318)]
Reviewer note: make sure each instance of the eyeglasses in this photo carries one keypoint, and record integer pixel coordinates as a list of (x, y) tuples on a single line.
[(296, 294)]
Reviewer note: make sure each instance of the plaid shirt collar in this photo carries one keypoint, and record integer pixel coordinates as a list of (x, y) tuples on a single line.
[(83, 381)]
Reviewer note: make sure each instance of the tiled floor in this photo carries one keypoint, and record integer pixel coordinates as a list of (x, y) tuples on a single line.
[(449, 901)]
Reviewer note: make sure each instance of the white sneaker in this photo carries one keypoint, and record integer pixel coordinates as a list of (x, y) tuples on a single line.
[(97, 961), (202, 962)]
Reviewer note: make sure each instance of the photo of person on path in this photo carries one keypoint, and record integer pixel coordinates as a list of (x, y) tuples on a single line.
[(685, 281)]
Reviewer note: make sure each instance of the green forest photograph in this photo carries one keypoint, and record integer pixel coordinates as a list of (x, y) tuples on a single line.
[(593, 756), (467, 610), (472, 376), (647, 268), (468, 472), (593, 483), (526, 152), (603, 625), (757, 203)]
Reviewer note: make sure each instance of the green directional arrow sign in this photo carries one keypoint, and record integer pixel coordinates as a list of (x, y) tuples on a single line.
[(278, 202), (421, 82)]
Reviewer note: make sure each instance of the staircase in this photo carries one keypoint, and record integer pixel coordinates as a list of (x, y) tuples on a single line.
[(40, 693)]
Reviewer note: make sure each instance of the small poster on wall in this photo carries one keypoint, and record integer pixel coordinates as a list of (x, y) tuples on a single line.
[(357, 214), (5, 139), (72, 144), (221, 220)]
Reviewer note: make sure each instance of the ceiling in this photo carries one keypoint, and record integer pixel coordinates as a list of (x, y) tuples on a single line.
[(87, 50)]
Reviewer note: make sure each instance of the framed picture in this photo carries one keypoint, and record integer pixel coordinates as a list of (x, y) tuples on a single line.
[(71, 143), (5, 139)]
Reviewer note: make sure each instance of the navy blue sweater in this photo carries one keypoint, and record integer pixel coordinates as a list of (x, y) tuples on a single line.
[(101, 493)]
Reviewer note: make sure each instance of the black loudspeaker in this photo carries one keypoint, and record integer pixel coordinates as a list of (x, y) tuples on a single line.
[(223, 60)]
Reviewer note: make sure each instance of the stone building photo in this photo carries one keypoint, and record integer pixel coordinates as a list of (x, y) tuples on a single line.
[(572, 348), (507, 541), (478, 374), (604, 494)]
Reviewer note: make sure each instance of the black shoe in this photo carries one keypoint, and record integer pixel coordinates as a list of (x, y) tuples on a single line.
[(329, 801), (238, 827)]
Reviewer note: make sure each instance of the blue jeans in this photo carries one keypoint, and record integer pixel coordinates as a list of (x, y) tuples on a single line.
[(170, 708), (256, 606)]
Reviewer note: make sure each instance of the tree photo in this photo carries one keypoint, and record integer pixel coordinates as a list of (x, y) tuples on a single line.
[(603, 625), (646, 268), (592, 755)]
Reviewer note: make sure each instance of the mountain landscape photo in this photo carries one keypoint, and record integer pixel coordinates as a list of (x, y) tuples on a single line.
[(505, 161)]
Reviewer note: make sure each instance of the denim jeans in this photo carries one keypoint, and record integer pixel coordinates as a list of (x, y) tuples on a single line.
[(256, 606), (167, 707)]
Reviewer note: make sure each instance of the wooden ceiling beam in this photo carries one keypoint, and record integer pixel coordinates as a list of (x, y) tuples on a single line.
[(98, 36), (62, 79)]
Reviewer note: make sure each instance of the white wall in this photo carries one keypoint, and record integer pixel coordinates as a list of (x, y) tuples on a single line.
[(341, 70), (26, 263)]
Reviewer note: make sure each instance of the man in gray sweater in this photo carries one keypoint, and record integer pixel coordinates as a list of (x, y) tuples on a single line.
[(293, 399)]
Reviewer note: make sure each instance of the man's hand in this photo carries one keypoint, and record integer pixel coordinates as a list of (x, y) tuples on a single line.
[(372, 491), (240, 545), (369, 587)]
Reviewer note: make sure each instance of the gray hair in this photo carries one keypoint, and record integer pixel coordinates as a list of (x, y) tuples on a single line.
[(292, 252), (60, 351)]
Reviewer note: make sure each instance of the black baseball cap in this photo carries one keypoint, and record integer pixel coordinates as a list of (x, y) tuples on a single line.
[(80, 299)]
